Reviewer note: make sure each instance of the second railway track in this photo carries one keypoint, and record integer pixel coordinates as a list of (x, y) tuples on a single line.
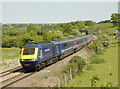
[(7, 72), (13, 75)]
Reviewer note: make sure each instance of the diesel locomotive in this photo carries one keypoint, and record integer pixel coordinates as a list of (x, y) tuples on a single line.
[(39, 54)]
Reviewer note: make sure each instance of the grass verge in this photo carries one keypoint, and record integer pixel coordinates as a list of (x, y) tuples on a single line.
[(107, 71)]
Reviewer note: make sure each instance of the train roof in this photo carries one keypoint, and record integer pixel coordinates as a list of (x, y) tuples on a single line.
[(38, 44), (48, 43), (31, 45)]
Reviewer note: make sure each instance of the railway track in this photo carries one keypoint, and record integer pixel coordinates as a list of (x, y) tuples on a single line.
[(11, 76), (11, 80), (17, 75), (7, 72)]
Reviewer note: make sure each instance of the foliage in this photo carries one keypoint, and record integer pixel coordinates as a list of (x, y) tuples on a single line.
[(18, 35), (52, 35), (8, 42), (89, 23), (96, 46), (105, 41), (105, 21), (115, 19), (76, 64), (107, 85), (94, 79), (67, 28), (75, 32), (31, 27), (12, 31), (102, 70), (101, 42)]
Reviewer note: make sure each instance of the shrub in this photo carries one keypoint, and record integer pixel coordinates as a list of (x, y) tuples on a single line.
[(94, 79), (76, 64), (96, 46)]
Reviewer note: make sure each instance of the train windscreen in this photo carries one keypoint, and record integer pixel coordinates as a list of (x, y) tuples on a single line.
[(29, 51)]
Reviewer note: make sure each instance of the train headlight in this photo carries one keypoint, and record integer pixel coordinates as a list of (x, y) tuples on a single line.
[(22, 59), (33, 59)]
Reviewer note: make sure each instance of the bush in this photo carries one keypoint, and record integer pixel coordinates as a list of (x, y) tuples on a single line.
[(96, 60), (76, 64), (96, 46)]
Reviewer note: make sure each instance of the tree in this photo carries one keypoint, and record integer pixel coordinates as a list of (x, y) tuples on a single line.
[(8, 41), (89, 23), (31, 27), (75, 32), (79, 25), (105, 21), (115, 18), (67, 28)]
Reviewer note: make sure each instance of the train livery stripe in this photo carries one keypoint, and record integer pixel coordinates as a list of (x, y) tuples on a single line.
[(75, 44), (83, 41)]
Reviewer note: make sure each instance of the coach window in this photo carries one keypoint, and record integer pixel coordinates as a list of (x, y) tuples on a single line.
[(67, 45), (86, 39), (79, 41)]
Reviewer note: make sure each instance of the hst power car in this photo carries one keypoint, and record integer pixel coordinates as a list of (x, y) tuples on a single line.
[(38, 54)]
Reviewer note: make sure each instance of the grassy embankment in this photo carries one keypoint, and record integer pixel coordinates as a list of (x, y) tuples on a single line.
[(107, 71), (106, 29), (10, 56)]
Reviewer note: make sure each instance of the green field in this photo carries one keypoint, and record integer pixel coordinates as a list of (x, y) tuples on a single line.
[(110, 66), (10, 53)]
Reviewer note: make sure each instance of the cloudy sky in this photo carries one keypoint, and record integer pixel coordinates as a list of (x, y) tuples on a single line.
[(56, 12)]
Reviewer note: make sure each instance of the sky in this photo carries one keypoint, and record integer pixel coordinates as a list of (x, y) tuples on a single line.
[(56, 12)]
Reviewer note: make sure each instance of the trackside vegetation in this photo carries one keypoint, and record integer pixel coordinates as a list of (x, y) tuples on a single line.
[(96, 73), (76, 64), (100, 69), (18, 35)]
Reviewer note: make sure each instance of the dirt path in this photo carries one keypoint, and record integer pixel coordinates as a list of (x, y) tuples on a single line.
[(46, 77)]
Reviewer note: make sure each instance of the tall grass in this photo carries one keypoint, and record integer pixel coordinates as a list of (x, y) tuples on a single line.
[(10, 53)]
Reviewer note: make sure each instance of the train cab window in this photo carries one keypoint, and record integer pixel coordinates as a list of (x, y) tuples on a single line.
[(29, 51), (40, 53)]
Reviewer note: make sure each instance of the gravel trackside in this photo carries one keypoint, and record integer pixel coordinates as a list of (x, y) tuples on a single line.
[(43, 78)]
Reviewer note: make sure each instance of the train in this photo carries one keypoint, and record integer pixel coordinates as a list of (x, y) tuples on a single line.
[(39, 54)]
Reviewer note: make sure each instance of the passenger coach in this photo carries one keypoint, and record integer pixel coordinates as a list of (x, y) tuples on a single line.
[(39, 54)]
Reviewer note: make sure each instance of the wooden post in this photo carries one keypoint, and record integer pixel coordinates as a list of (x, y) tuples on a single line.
[(65, 80), (58, 83), (70, 74)]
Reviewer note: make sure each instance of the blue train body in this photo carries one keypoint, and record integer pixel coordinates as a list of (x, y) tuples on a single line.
[(34, 54)]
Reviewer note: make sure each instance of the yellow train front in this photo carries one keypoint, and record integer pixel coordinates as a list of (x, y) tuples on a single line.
[(29, 57)]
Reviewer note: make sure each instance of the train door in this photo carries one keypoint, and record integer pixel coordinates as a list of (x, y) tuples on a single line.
[(40, 54), (57, 50)]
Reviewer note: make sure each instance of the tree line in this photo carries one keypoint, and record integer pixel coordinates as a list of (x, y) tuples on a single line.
[(18, 35)]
